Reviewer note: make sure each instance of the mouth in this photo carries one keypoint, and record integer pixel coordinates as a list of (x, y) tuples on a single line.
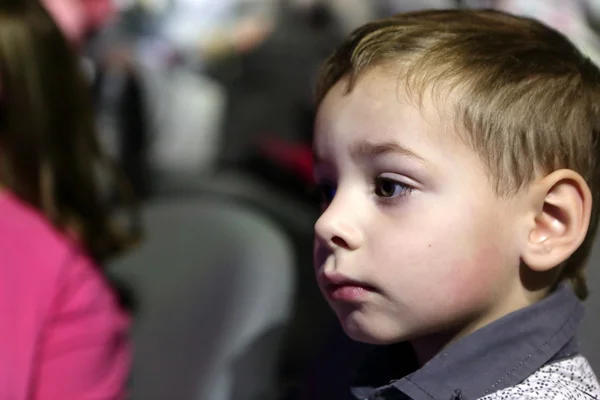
[(341, 288)]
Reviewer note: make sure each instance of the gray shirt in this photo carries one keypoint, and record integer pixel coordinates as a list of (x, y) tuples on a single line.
[(529, 354)]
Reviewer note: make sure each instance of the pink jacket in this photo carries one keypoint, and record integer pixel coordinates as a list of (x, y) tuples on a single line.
[(62, 334), (78, 17)]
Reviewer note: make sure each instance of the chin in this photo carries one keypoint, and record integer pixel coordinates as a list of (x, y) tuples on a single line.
[(371, 332)]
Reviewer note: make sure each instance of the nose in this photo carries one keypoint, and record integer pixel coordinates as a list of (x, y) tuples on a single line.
[(337, 228)]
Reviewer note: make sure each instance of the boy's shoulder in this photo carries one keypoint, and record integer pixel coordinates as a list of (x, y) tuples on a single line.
[(571, 378)]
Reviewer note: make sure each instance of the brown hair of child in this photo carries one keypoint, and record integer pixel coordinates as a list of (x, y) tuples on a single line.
[(49, 154), (519, 93)]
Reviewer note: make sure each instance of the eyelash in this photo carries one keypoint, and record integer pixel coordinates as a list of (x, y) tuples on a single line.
[(405, 189), (327, 190)]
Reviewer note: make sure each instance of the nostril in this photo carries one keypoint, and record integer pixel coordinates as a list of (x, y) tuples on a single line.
[(338, 241)]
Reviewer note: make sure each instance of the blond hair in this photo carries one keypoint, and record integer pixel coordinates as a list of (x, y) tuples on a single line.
[(527, 100)]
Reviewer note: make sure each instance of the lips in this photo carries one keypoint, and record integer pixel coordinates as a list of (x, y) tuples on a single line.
[(342, 288)]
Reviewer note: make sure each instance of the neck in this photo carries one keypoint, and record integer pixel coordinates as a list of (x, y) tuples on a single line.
[(428, 346)]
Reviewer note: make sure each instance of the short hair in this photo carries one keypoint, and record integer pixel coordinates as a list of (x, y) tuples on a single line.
[(523, 97)]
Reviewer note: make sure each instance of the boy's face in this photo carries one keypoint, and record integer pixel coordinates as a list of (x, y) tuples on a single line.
[(412, 239)]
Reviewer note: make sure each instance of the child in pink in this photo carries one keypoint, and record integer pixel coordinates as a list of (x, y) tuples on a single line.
[(63, 333), (77, 18)]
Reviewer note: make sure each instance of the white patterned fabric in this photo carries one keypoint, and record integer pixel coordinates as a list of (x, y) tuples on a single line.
[(571, 379)]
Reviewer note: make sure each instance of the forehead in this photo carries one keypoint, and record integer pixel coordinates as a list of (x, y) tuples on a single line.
[(378, 110)]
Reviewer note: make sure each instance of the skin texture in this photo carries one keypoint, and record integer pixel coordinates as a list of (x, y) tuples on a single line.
[(409, 213)]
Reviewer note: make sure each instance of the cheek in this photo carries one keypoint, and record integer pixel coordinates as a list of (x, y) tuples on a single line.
[(447, 256), (475, 278), (470, 261)]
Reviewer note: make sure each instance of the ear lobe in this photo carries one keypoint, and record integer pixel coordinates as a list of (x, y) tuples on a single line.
[(560, 222)]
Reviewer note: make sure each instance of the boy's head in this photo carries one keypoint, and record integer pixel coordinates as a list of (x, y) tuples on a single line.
[(457, 152)]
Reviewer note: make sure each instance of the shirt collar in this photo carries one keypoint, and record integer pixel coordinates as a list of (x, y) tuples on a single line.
[(497, 356)]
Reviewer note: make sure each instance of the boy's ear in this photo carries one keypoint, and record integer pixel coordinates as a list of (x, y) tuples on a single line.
[(561, 205)]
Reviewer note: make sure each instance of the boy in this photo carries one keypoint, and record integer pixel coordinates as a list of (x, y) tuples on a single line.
[(457, 152)]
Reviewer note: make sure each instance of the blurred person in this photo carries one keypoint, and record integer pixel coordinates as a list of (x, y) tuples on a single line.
[(112, 74), (203, 29), (79, 18), (456, 226), (349, 13), (391, 7), (572, 18), (63, 326), (267, 74)]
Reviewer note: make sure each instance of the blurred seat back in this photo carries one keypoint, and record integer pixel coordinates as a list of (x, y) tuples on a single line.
[(214, 282), (296, 216)]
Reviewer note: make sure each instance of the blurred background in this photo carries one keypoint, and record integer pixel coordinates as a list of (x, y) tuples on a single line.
[(207, 105)]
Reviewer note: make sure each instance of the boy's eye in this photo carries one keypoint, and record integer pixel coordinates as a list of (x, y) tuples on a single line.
[(327, 192), (389, 188)]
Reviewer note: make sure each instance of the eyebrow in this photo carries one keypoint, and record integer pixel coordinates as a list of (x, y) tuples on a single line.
[(367, 149)]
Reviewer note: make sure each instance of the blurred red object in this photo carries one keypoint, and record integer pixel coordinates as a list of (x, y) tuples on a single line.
[(77, 18), (295, 157)]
